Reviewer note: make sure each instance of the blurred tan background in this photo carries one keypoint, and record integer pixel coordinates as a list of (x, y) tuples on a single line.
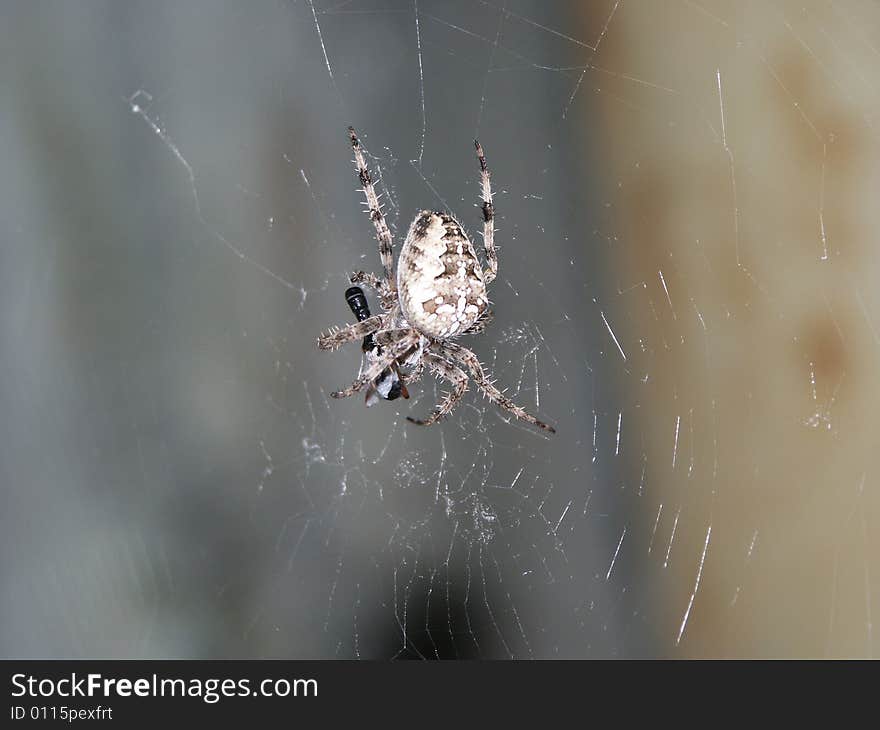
[(686, 196), (750, 180)]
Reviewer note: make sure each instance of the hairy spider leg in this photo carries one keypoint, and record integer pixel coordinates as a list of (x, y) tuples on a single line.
[(472, 363), (453, 375), (488, 209), (375, 368), (383, 233)]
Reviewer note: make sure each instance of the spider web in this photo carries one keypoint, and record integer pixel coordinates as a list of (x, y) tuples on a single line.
[(172, 441)]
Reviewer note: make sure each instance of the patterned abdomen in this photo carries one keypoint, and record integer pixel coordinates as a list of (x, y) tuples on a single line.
[(439, 279)]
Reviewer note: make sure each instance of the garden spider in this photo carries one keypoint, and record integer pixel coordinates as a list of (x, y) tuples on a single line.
[(437, 294)]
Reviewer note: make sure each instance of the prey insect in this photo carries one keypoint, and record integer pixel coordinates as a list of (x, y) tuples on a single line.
[(388, 385)]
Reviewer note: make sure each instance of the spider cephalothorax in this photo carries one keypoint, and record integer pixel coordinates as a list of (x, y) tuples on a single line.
[(438, 294)]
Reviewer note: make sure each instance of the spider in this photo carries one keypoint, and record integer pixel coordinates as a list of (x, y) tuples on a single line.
[(437, 294)]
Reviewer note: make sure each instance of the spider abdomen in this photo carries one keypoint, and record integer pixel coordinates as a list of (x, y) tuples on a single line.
[(439, 278)]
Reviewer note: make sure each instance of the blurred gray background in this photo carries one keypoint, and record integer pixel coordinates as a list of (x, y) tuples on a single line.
[(179, 212)]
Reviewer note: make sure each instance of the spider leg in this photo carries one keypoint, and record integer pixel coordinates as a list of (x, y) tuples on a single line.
[(378, 365), (415, 374), (389, 385), (488, 217), (383, 234), (472, 363), (389, 337), (335, 338), (459, 382), (370, 280)]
